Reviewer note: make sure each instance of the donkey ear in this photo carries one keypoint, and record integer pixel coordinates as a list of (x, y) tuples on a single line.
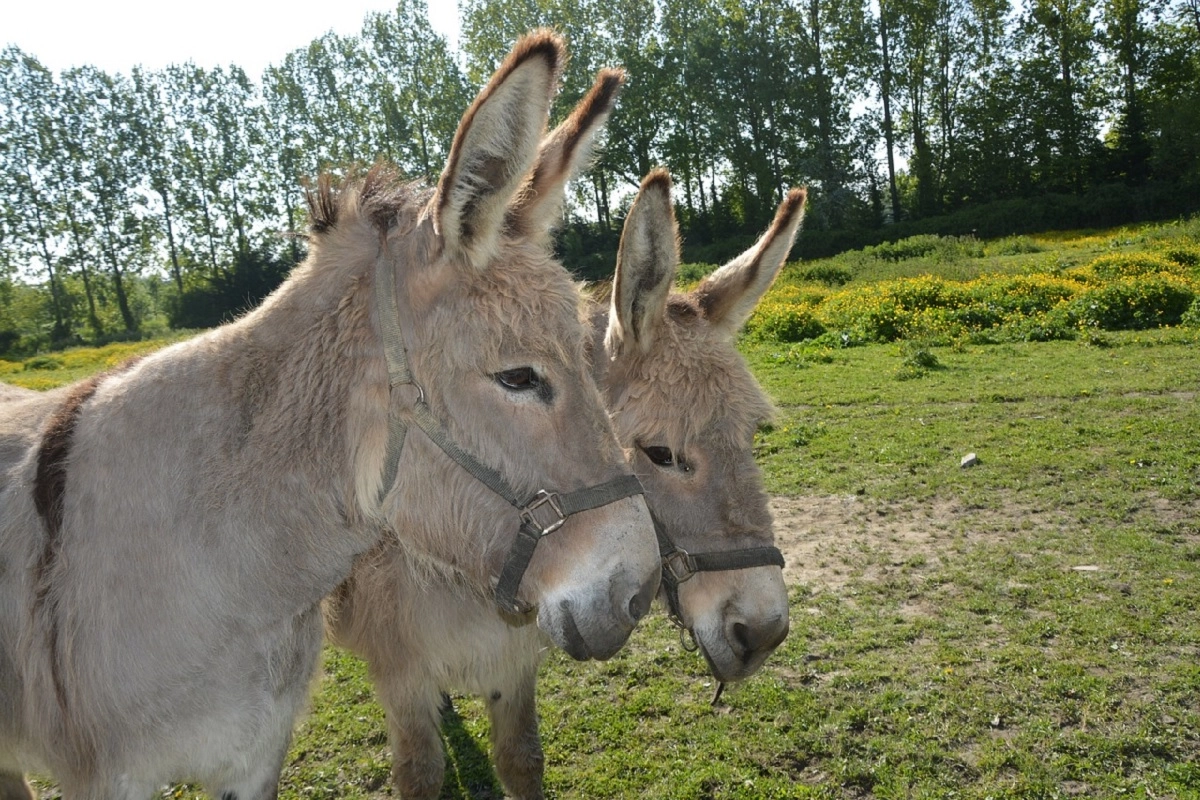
[(646, 262), (728, 296), (494, 148), (562, 154)]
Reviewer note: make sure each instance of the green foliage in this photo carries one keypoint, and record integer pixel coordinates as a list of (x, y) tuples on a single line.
[(1012, 246), (1124, 265), (916, 360), (1184, 255), (691, 273), (941, 248), (1131, 303), (826, 272), (1129, 285), (224, 296), (1191, 317), (43, 363)]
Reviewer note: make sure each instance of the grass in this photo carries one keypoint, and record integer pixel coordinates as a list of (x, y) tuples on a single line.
[(1046, 419), (1024, 628)]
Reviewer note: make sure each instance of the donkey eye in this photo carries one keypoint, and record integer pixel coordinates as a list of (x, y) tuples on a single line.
[(661, 456), (519, 379)]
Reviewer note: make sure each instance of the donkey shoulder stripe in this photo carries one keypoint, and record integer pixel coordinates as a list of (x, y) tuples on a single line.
[(50, 480)]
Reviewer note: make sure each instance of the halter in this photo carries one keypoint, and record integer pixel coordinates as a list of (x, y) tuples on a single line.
[(541, 514), (678, 565)]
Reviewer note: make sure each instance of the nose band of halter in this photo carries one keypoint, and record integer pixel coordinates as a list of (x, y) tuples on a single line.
[(554, 510), (541, 514), (678, 565)]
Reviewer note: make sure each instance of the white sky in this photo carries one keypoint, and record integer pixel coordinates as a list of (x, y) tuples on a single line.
[(115, 35)]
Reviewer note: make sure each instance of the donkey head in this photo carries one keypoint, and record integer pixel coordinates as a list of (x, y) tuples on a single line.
[(687, 408), (492, 329)]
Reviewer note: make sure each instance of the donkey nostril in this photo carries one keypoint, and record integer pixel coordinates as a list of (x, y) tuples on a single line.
[(741, 635), (640, 603), (761, 638)]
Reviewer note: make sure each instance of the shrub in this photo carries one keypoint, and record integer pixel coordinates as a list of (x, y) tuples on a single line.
[(1053, 326), (1012, 246), (787, 314), (1115, 266), (1132, 303), (1187, 256), (868, 313), (693, 272), (912, 247), (1022, 294), (1191, 317), (916, 360), (784, 323), (926, 291), (978, 316), (43, 363), (824, 272)]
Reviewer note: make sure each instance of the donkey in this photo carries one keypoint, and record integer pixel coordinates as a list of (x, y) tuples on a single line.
[(168, 531), (686, 408)]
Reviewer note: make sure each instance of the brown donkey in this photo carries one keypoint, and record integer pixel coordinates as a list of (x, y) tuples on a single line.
[(167, 532), (686, 409)]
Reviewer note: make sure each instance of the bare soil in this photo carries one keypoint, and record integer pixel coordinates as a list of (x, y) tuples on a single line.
[(829, 540)]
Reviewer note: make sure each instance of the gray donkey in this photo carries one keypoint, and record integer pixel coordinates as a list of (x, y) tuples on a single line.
[(686, 410), (168, 531)]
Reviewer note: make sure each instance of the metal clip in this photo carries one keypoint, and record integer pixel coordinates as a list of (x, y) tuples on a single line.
[(679, 564), (540, 500)]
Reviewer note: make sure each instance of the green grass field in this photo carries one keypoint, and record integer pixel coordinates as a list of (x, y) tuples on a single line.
[(1022, 628)]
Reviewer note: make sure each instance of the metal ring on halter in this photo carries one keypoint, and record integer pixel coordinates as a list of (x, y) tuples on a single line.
[(544, 499), (679, 563)]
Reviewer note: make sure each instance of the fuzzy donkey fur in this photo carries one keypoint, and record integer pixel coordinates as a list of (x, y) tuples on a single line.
[(686, 410), (167, 532)]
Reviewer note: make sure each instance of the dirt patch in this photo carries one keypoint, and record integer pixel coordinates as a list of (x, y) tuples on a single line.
[(828, 541)]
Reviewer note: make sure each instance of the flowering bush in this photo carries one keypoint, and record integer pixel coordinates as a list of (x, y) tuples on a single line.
[(1023, 294), (1149, 301), (787, 314), (1116, 291), (1114, 266), (1187, 256)]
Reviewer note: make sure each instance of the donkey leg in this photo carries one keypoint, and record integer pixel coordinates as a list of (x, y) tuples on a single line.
[(14, 787), (414, 713), (516, 746)]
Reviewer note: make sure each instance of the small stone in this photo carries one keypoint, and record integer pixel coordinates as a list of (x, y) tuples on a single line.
[(969, 460)]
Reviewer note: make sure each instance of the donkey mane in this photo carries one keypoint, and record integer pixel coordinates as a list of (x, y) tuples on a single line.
[(378, 195)]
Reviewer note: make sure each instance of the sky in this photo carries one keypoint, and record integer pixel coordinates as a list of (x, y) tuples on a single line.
[(116, 35)]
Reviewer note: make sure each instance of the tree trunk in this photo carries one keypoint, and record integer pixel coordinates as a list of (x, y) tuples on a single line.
[(62, 327), (885, 85), (175, 270), (81, 258)]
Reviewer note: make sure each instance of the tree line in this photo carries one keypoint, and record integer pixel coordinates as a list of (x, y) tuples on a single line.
[(174, 197)]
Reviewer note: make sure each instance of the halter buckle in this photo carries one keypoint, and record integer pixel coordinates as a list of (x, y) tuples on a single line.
[(548, 502), (679, 563)]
